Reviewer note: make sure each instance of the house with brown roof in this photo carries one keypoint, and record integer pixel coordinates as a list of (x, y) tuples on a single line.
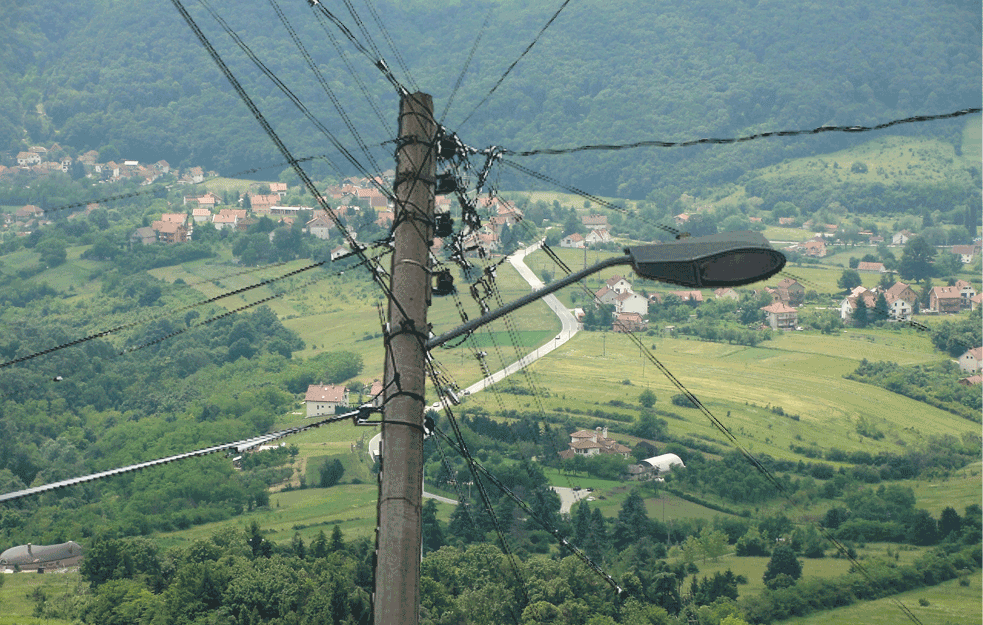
[(280, 188), (976, 301), (595, 221), (225, 221), (967, 292), (813, 248), (964, 252), (572, 240), (261, 203), (169, 231), (325, 399), (871, 266), (598, 235), (30, 211), (791, 292), (629, 322), (175, 218), (689, 296), (849, 304), (726, 293), (971, 380), (145, 236), (200, 215), (588, 443), (26, 159), (900, 238), (900, 301), (320, 227), (781, 316), (972, 360), (945, 299)]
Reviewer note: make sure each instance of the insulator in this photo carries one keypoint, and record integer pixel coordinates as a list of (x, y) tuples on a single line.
[(445, 283), (446, 183), (444, 225)]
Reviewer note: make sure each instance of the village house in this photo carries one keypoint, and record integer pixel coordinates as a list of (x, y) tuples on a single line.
[(967, 292), (726, 293), (976, 301), (945, 299), (588, 443), (900, 238), (26, 159), (964, 252), (175, 218), (200, 215), (261, 204), (900, 301), (170, 231), (630, 302), (595, 221), (629, 322), (320, 227), (689, 296), (781, 316), (145, 236), (324, 399), (971, 361), (849, 304), (971, 380), (27, 212), (339, 251), (871, 267), (280, 188), (573, 241), (225, 221), (791, 292), (599, 235)]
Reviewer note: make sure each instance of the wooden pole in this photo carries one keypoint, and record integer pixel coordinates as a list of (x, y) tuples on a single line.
[(397, 575)]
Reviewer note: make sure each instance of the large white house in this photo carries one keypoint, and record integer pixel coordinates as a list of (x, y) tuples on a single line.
[(322, 399)]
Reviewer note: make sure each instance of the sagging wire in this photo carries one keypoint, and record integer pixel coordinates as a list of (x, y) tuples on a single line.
[(760, 135), (464, 70), (369, 260), (553, 530), (378, 62), (516, 62), (486, 501), (235, 446), (281, 146), (324, 85), (296, 100), (392, 46)]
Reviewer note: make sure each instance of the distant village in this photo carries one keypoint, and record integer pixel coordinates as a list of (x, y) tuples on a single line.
[(264, 200)]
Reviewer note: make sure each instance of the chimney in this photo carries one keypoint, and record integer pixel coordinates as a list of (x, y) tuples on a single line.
[(29, 552), (597, 435), (604, 434)]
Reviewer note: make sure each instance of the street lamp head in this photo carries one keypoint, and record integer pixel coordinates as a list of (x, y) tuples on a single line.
[(716, 260)]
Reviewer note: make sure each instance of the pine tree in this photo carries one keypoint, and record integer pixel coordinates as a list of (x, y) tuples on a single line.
[(783, 562)]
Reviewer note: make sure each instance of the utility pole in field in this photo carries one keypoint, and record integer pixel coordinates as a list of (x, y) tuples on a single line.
[(398, 548)]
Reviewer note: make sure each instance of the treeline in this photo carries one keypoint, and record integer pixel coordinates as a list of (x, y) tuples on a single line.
[(936, 385)]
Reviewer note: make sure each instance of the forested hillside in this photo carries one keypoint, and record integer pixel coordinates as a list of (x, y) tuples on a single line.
[(129, 79)]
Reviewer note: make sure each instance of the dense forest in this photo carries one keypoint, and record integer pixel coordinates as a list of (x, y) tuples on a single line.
[(130, 80)]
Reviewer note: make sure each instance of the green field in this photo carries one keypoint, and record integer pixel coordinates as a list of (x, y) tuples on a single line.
[(949, 603), (18, 593)]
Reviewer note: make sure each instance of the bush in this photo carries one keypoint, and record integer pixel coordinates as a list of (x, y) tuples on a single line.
[(682, 401)]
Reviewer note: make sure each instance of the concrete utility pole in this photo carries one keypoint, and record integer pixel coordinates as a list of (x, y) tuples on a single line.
[(397, 574)]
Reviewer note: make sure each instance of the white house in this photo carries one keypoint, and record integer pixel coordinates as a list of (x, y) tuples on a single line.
[(599, 235), (971, 360), (901, 238), (572, 240), (323, 399), (320, 227), (630, 302)]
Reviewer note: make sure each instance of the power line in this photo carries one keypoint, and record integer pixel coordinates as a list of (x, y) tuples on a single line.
[(760, 135), (516, 62), (237, 445)]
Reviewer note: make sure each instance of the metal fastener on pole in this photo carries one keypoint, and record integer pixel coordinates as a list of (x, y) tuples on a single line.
[(397, 574)]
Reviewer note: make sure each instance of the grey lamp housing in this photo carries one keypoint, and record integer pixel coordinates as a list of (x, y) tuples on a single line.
[(716, 260)]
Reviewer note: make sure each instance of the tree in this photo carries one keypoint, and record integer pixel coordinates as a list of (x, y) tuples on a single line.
[(337, 539), (647, 398), (916, 259), (849, 280), (751, 544), (948, 264), (881, 309), (949, 522), (783, 562), (433, 535), (860, 316), (923, 529), (331, 473)]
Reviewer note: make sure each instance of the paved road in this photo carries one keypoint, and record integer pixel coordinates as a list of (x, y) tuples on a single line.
[(569, 326), (569, 496)]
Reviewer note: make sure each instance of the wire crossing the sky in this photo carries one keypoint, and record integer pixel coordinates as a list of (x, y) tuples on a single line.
[(760, 135)]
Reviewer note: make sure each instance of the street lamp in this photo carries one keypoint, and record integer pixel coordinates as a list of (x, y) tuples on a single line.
[(716, 260)]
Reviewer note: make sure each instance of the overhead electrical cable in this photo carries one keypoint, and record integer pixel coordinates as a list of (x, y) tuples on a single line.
[(516, 62), (297, 102), (377, 271), (464, 70), (392, 45), (170, 313), (237, 445), (324, 84), (760, 135)]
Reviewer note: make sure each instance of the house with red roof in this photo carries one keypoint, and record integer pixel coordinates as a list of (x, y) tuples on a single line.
[(971, 360), (781, 316), (324, 399)]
